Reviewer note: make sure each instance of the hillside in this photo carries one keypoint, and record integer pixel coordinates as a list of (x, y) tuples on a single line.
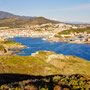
[(18, 22), (9, 15), (44, 63), (44, 70), (75, 30)]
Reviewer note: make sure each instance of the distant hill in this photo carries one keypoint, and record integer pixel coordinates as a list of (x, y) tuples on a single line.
[(9, 15), (18, 22), (4, 14)]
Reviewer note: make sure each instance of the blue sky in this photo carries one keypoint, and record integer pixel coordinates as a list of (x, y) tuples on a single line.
[(62, 10)]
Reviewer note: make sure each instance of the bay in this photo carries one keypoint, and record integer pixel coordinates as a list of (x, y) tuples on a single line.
[(36, 44)]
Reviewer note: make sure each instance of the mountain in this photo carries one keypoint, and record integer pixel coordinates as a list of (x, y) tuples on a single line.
[(18, 22), (9, 15)]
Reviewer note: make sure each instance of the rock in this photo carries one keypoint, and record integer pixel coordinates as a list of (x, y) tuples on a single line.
[(34, 54), (53, 56), (2, 50), (61, 56)]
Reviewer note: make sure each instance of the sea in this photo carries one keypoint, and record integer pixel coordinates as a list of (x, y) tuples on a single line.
[(36, 44)]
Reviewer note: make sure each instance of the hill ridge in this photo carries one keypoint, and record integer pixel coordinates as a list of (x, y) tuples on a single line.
[(4, 14)]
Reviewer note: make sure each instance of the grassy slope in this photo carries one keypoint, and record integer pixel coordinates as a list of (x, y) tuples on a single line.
[(42, 64)]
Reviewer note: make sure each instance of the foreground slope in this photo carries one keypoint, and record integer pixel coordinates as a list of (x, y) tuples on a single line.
[(44, 63)]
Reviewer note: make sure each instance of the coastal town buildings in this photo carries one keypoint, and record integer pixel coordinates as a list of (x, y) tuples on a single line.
[(48, 31)]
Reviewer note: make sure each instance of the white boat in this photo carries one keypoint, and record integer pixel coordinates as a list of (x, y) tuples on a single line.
[(43, 38)]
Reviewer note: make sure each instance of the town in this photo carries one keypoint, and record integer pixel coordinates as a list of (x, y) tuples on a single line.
[(48, 31)]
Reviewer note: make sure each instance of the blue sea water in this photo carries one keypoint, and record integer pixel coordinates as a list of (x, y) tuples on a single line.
[(36, 44)]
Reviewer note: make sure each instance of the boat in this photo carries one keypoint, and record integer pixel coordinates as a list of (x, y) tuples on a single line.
[(43, 38)]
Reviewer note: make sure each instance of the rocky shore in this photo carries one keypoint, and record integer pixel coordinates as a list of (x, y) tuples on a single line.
[(9, 53), (55, 39), (10, 47)]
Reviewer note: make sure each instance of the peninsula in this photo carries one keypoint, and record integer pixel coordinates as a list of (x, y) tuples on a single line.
[(7, 47)]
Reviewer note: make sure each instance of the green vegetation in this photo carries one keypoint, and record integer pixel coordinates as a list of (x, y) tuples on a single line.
[(38, 30), (8, 42), (53, 82), (44, 63), (17, 22), (11, 44), (75, 30), (68, 37)]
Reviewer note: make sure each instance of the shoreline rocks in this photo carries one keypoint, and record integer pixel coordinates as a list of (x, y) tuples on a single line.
[(64, 41), (8, 47)]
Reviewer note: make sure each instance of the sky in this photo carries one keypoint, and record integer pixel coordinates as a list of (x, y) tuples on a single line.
[(61, 10)]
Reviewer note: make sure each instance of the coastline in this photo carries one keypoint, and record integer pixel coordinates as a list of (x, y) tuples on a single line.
[(36, 44), (10, 47), (21, 46), (64, 41), (10, 53)]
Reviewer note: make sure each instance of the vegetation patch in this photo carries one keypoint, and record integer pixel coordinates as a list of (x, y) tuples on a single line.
[(51, 82), (75, 30)]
